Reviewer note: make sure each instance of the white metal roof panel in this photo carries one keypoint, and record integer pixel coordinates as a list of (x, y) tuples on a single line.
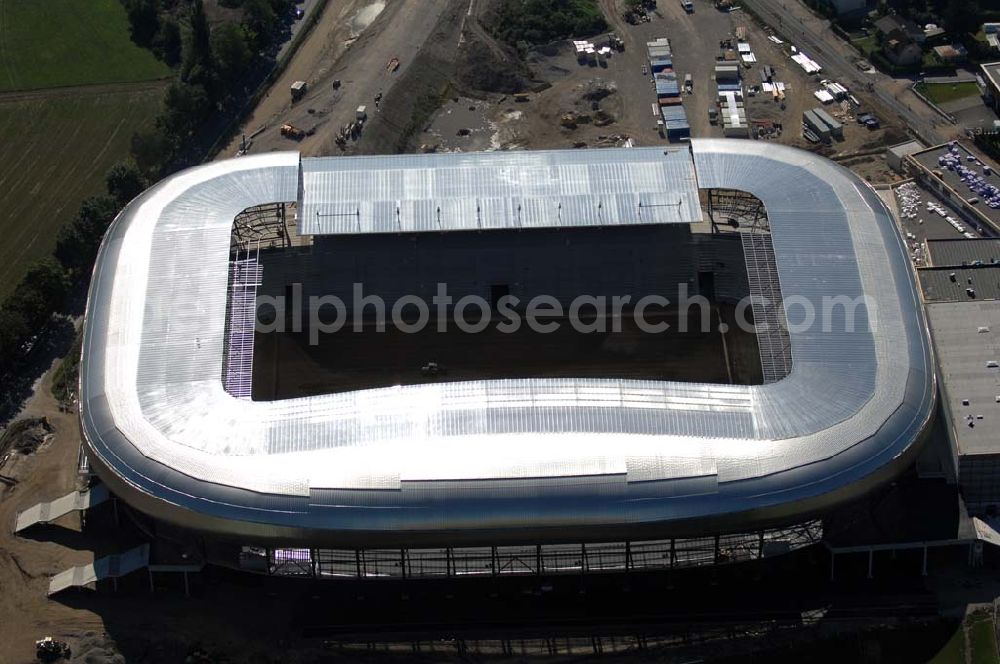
[(494, 190)]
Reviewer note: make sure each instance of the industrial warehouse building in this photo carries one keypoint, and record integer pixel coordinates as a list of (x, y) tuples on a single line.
[(299, 459), (961, 288)]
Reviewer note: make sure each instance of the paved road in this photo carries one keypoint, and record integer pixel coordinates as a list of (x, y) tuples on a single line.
[(826, 48)]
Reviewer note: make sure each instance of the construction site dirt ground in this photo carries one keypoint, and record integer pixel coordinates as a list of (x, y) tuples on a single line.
[(501, 122), (352, 42)]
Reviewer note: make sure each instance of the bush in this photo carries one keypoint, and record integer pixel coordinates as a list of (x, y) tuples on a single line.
[(543, 21)]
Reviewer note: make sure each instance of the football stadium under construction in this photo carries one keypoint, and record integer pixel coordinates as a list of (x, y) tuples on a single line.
[(370, 453)]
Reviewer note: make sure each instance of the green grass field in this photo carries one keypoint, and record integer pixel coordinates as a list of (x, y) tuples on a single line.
[(57, 148), (54, 43), (953, 652), (982, 640), (942, 93), (866, 44)]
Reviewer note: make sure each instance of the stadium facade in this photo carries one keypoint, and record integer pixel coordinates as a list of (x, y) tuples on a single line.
[(494, 464)]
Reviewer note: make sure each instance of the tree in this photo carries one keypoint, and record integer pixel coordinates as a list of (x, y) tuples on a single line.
[(143, 20), (199, 51), (14, 331), (232, 52), (125, 181), (261, 21), (77, 242), (49, 282), (168, 42), (40, 293), (961, 16), (185, 108), (152, 152)]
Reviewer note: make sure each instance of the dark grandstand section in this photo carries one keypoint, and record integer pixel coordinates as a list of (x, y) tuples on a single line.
[(631, 262)]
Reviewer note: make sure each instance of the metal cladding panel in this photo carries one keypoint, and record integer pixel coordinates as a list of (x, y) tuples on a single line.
[(493, 459), (493, 190)]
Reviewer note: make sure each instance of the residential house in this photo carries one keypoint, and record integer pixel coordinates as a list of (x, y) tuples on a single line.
[(900, 49), (893, 22)]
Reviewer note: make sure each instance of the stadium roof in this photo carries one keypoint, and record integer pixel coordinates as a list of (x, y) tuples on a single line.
[(501, 460), (491, 190)]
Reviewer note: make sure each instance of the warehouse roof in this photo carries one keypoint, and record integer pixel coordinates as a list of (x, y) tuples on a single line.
[(951, 284), (967, 340), (963, 252), (957, 181), (496, 460)]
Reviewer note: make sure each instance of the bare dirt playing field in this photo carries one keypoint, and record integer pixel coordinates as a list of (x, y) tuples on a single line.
[(286, 365)]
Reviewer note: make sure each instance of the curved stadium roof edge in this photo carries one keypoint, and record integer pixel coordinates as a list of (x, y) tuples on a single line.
[(500, 460)]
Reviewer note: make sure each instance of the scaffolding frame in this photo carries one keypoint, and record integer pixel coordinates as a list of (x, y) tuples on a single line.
[(261, 225), (732, 208), (767, 305), (245, 275)]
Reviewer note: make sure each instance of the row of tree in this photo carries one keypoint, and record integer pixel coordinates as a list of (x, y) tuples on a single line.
[(213, 69), (48, 282), (960, 17)]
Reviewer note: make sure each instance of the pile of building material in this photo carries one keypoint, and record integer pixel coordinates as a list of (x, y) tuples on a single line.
[(733, 115), (823, 96), (770, 85), (808, 64), (777, 89), (908, 197), (588, 53), (835, 90)]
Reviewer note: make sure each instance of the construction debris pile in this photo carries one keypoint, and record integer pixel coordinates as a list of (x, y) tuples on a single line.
[(908, 201), (589, 54)]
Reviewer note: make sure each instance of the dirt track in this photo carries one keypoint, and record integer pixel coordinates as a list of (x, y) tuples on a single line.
[(341, 47)]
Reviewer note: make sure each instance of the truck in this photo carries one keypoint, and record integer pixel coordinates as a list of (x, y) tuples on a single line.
[(688, 83), (521, 96), (361, 114), (298, 90), (688, 6), (294, 133)]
